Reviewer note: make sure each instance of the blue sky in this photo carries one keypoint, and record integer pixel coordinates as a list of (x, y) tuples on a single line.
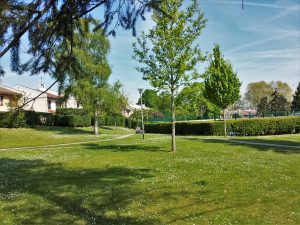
[(262, 42)]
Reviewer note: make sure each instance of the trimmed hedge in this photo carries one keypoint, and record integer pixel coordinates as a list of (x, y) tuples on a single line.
[(68, 117), (243, 127), (32, 119), (73, 120)]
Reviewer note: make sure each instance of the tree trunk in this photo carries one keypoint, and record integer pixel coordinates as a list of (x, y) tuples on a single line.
[(224, 122), (96, 122), (173, 123)]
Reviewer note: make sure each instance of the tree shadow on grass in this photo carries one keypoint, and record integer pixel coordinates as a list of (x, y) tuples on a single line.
[(123, 148), (35, 192), (290, 147)]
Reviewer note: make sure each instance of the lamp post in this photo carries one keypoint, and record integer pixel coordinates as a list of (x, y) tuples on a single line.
[(141, 98)]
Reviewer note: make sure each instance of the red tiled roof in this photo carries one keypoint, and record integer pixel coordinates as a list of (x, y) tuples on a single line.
[(52, 96)]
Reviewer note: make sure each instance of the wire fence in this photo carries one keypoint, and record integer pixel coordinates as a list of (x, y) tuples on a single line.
[(229, 116)]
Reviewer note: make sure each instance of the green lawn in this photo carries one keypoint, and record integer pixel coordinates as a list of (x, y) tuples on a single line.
[(131, 181)]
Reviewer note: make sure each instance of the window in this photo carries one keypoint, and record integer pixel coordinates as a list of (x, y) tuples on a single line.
[(1, 100), (49, 104)]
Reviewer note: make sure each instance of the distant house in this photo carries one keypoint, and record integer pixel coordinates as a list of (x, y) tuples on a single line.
[(28, 94), (9, 98), (131, 109), (46, 102)]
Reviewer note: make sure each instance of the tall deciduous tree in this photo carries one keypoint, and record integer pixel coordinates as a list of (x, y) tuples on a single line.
[(222, 85), (279, 102), (89, 84), (168, 52), (150, 99), (296, 99), (256, 91), (283, 89), (191, 101)]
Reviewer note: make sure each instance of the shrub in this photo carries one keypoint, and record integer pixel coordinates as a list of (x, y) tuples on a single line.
[(71, 111), (243, 127), (12, 119), (73, 120), (68, 117), (39, 118)]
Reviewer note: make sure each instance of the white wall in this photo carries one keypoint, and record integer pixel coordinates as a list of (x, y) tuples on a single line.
[(39, 105), (53, 104)]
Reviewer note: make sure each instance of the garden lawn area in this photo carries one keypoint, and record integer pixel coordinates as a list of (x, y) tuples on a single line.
[(135, 181), (41, 136)]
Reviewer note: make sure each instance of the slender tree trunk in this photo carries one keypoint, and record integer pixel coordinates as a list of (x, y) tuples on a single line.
[(96, 122), (173, 123), (224, 122)]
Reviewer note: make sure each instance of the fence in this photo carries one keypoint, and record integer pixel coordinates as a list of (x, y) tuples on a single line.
[(217, 116)]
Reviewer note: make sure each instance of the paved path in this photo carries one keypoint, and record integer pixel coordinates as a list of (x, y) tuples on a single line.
[(66, 144), (255, 143)]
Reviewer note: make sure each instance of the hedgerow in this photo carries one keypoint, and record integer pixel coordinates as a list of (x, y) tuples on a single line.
[(242, 127)]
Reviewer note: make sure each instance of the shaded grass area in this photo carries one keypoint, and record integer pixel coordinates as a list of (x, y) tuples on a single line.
[(40, 136), (131, 181)]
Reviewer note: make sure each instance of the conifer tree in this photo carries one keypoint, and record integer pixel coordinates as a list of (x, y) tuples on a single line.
[(296, 100)]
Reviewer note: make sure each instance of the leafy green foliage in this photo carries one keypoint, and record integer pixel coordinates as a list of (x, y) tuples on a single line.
[(169, 52), (279, 102), (71, 112), (49, 23), (150, 99), (26, 119), (191, 101), (245, 127), (222, 85), (257, 90), (263, 105), (296, 99)]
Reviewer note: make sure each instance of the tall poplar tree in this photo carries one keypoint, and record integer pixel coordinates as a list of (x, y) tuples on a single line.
[(222, 85), (169, 53), (88, 82)]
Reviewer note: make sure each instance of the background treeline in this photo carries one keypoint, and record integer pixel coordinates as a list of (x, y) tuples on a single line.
[(268, 99)]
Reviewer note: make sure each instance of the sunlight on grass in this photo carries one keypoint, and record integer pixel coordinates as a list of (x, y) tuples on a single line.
[(135, 181)]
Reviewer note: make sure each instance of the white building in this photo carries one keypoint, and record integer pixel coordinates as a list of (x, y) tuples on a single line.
[(45, 102), (40, 104), (9, 98), (131, 108)]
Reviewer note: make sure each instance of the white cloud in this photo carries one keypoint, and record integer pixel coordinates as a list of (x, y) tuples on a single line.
[(255, 4)]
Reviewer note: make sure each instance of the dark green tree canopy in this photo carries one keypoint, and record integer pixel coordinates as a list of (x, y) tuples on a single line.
[(192, 101), (279, 102), (263, 105), (296, 99), (150, 99), (222, 85), (48, 23)]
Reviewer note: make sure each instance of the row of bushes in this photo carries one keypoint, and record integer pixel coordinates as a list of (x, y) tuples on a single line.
[(118, 121), (63, 117), (32, 119), (245, 127)]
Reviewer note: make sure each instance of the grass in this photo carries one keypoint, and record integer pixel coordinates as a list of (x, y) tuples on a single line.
[(131, 181), (39, 136)]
